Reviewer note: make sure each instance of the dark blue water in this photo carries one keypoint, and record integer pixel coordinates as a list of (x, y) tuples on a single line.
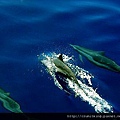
[(29, 28)]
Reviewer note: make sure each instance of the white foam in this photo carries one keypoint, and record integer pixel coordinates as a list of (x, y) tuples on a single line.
[(85, 92)]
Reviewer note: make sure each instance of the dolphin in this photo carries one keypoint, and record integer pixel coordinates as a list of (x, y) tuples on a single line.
[(63, 69), (12, 105), (9, 103), (98, 58)]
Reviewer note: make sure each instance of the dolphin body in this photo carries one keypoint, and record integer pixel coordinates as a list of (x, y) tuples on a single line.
[(9, 103), (98, 58), (64, 70), (12, 105)]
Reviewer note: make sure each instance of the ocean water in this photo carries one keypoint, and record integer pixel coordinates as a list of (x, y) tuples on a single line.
[(31, 27)]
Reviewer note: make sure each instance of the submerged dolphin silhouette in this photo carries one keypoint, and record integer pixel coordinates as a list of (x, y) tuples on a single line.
[(9, 103), (12, 105), (62, 68), (98, 58)]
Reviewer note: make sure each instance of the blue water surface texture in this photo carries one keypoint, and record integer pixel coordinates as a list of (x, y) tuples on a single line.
[(31, 27)]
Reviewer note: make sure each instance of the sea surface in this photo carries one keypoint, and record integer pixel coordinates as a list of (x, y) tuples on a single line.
[(29, 28)]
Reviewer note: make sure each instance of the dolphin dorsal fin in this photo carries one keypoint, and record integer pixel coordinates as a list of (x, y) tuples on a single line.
[(60, 57), (101, 52), (7, 94), (3, 92), (80, 56)]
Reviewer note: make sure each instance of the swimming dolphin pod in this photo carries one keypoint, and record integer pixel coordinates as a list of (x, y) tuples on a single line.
[(9, 103), (98, 58)]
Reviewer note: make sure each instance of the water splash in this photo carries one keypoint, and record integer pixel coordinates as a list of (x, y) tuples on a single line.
[(84, 91)]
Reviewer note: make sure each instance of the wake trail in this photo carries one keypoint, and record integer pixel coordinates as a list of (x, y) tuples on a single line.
[(82, 90)]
